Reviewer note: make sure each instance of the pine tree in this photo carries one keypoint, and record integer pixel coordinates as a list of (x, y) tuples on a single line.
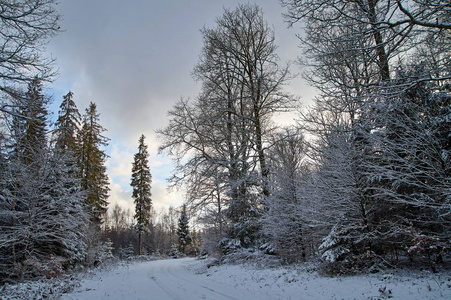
[(41, 199), (92, 164), (140, 182), (23, 177), (184, 236), (68, 124), (65, 136), (33, 119), (66, 181)]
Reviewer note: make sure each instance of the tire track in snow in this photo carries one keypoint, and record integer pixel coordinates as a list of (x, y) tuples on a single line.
[(185, 279), (154, 280)]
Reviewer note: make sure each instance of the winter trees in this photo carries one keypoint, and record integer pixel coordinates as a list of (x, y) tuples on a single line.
[(287, 210), (377, 152), (41, 205), (43, 214), (222, 134), (42, 202), (92, 163), (65, 149), (238, 68), (408, 164), (141, 180)]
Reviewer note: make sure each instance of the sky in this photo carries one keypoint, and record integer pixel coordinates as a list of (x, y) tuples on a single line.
[(134, 60)]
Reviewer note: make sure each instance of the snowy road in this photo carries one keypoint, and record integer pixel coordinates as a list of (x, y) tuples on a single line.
[(159, 280), (187, 279)]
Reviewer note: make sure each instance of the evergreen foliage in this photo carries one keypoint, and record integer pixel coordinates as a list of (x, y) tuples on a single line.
[(32, 123), (41, 203), (67, 125), (94, 179), (378, 188), (183, 232), (141, 183)]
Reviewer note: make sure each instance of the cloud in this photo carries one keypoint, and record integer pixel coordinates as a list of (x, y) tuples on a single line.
[(161, 197), (120, 196), (134, 60), (119, 166)]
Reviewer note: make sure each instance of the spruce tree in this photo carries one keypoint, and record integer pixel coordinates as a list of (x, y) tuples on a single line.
[(140, 182), (41, 199), (65, 136), (68, 124), (92, 158), (23, 179), (184, 236), (66, 181), (33, 119)]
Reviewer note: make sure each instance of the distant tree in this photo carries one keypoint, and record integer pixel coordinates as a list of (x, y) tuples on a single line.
[(119, 218), (92, 163), (184, 237), (140, 182), (118, 224)]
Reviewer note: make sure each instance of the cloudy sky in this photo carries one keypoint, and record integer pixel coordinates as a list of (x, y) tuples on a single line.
[(134, 59)]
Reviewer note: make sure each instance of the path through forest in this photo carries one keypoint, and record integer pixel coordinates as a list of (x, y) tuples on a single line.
[(188, 278), (161, 279)]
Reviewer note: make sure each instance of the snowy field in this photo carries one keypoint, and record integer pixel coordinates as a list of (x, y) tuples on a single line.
[(188, 278)]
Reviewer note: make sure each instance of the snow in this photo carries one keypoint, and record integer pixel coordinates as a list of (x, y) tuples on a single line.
[(300, 282), (189, 278), (162, 279)]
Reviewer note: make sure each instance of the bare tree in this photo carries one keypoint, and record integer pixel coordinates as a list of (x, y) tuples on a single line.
[(26, 26), (239, 63), (284, 220), (225, 130)]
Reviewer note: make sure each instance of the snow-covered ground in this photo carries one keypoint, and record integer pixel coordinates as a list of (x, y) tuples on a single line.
[(297, 282), (188, 278)]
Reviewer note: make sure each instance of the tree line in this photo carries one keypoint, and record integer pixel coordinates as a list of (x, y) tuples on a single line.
[(363, 178), (53, 181), (167, 234), (54, 185)]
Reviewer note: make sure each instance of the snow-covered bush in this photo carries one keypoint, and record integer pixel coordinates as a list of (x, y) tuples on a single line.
[(333, 247), (33, 267), (127, 252), (97, 251)]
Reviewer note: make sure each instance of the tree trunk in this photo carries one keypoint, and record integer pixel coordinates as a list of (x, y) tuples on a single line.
[(139, 243), (384, 69)]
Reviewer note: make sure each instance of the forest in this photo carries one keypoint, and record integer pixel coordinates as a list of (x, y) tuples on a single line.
[(361, 182)]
